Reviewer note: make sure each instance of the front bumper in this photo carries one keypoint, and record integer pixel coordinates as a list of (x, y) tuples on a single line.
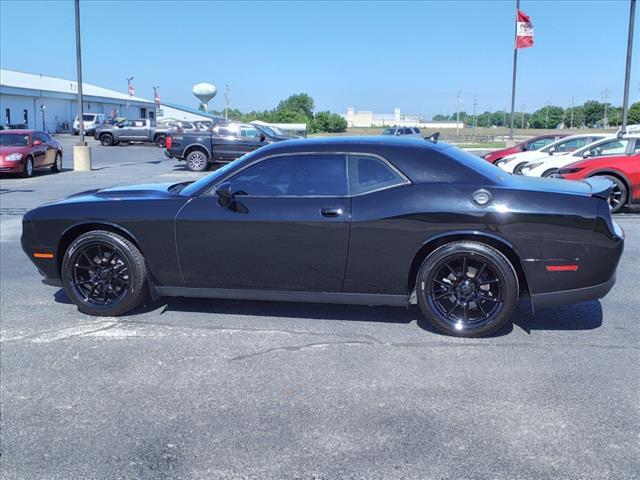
[(12, 167)]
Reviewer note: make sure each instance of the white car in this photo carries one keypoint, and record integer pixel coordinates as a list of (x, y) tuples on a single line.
[(608, 146), (513, 163)]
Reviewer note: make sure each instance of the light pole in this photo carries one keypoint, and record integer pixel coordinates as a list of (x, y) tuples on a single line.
[(625, 104), (42, 109), (81, 152), (130, 90)]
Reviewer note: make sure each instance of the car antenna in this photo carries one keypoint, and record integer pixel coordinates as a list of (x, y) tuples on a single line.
[(433, 138)]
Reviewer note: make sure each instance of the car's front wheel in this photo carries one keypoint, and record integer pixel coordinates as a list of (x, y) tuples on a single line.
[(467, 289), (197, 161), (28, 168), (160, 141), (104, 274)]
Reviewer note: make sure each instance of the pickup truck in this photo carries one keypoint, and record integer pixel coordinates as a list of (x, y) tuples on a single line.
[(130, 131), (222, 144)]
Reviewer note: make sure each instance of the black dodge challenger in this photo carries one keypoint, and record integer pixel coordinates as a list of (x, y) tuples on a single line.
[(373, 221)]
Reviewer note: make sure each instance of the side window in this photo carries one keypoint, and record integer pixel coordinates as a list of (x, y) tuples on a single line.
[(636, 148), (572, 145), (249, 132), (538, 144), (40, 136), (368, 173), (612, 147), (299, 175)]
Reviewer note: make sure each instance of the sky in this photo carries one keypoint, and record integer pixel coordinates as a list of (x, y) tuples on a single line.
[(369, 55)]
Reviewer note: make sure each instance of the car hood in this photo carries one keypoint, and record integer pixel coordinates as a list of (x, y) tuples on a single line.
[(9, 150), (142, 191)]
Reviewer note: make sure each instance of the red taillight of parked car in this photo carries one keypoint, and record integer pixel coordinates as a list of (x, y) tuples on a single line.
[(168, 141)]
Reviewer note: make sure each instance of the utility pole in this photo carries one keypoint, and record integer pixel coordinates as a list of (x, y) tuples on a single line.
[(522, 107), (572, 102), (515, 67), (625, 101), (475, 106), (226, 102), (546, 115), (458, 114), (605, 120), (81, 152)]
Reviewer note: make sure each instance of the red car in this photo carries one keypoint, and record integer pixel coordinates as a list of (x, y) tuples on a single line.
[(622, 170), (22, 151), (534, 143)]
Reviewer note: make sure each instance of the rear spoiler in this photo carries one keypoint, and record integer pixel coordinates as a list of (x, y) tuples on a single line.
[(600, 187)]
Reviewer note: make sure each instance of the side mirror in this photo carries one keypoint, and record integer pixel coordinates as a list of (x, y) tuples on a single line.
[(120, 125), (225, 197), (524, 148), (586, 154), (552, 150), (397, 134), (262, 137), (37, 142)]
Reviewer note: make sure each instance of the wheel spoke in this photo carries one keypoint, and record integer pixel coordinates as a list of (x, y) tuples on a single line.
[(466, 312), (479, 305), (464, 266), (455, 272), (442, 295), (484, 297), (89, 259), (452, 309), (481, 271)]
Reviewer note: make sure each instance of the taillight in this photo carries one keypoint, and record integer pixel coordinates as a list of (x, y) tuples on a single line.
[(168, 141)]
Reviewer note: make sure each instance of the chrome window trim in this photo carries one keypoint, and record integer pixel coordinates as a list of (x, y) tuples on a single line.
[(406, 181)]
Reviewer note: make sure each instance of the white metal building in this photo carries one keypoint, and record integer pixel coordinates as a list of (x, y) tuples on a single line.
[(49, 103), (173, 111), (368, 119)]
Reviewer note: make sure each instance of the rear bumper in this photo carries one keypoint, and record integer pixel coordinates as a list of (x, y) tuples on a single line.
[(563, 297), (168, 154)]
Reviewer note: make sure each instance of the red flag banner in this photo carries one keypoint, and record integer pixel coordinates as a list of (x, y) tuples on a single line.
[(132, 90), (156, 97), (524, 30)]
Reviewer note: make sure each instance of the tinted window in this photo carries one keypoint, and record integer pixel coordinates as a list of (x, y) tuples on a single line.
[(44, 138), (416, 130), (249, 132), (300, 175), (14, 140), (388, 131), (370, 173), (408, 131)]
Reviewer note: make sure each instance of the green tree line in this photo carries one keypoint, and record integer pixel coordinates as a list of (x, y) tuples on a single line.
[(298, 108), (590, 114)]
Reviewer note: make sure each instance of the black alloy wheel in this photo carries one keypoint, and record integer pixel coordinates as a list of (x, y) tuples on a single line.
[(467, 289), (104, 274)]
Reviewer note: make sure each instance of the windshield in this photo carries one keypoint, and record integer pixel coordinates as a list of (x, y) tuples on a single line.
[(388, 131), (214, 177), (279, 131), (88, 118), (14, 140)]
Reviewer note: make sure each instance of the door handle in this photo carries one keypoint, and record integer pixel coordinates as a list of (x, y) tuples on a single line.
[(330, 212)]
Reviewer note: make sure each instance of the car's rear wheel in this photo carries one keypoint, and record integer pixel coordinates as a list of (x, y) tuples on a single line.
[(28, 168), (619, 194), (104, 274), (549, 172), (197, 161), (106, 139), (57, 164), (467, 289), (160, 141)]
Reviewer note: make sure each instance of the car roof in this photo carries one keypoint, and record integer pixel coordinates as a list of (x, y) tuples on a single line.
[(20, 132)]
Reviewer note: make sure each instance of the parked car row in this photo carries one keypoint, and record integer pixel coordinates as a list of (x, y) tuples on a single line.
[(577, 157)]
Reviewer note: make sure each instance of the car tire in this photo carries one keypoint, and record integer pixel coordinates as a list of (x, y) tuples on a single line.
[(106, 139), (104, 274), (549, 172), (160, 141), (467, 289), (619, 194), (27, 171), (518, 168), (57, 164), (197, 161)]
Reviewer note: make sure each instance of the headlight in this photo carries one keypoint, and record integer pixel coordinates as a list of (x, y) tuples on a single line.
[(14, 157)]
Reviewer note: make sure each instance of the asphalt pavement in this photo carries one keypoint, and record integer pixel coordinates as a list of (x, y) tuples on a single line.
[(220, 389)]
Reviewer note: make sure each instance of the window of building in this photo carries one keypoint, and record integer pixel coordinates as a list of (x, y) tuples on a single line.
[(7, 116)]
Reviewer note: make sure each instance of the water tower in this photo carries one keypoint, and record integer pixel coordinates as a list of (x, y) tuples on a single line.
[(204, 92)]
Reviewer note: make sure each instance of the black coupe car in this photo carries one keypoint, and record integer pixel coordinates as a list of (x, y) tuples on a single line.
[(374, 221)]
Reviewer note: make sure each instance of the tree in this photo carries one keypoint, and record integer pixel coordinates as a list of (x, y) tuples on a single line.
[(549, 116), (633, 116), (440, 118), (328, 122), (593, 112), (300, 102)]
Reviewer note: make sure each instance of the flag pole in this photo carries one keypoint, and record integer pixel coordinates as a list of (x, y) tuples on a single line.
[(515, 66), (625, 101)]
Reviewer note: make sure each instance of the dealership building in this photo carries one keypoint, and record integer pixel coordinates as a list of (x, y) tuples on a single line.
[(367, 119), (46, 103)]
